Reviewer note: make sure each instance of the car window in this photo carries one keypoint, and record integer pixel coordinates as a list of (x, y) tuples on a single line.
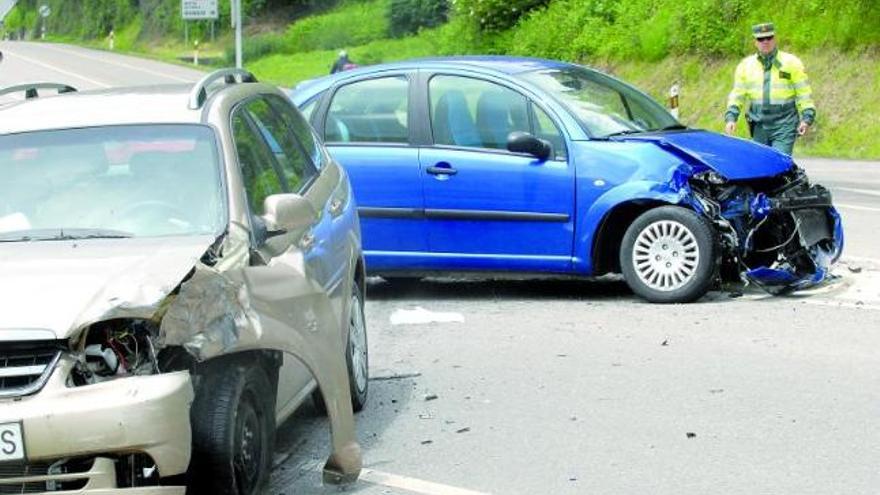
[(260, 177), (295, 167), (475, 113), (545, 128), (309, 108), (297, 123), (372, 111)]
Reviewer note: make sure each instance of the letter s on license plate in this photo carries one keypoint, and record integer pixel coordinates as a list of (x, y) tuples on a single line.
[(11, 442)]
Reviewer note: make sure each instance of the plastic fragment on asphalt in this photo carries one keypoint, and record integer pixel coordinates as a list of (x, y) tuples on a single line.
[(421, 316)]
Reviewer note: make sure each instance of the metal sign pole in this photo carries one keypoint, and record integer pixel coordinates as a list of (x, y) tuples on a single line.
[(237, 19)]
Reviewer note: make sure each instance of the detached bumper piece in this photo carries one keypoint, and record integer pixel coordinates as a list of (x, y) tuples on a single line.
[(784, 235)]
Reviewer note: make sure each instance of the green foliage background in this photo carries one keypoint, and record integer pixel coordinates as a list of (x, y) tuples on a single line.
[(650, 43)]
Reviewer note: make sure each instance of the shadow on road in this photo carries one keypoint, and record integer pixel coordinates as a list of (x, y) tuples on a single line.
[(465, 289), (302, 442)]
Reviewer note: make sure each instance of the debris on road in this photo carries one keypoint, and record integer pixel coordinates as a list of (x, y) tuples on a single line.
[(665, 342), (426, 442), (430, 397), (854, 268), (691, 434), (716, 390), (421, 316), (426, 416), (463, 430), (395, 376)]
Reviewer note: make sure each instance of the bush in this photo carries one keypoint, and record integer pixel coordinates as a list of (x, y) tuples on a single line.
[(255, 47), (355, 23), (408, 16), (495, 15)]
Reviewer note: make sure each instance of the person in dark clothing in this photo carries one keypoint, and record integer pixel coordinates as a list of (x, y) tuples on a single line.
[(342, 63)]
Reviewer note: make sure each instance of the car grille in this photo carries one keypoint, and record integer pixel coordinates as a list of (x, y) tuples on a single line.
[(41, 477), (25, 366)]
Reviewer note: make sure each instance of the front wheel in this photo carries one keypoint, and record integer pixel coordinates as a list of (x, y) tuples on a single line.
[(668, 255), (233, 421)]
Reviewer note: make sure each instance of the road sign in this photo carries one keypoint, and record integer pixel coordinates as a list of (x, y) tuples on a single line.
[(194, 10), (45, 10)]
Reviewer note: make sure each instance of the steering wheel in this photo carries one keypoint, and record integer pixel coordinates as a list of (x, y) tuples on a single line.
[(154, 209)]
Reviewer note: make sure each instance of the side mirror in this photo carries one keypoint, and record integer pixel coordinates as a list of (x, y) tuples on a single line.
[(523, 142), (286, 212)]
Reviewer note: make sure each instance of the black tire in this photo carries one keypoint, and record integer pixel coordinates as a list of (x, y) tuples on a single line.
[(358, 393), (233, 428), (686, 282)]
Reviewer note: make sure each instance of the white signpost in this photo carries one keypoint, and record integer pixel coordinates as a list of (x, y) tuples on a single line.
[(199, 10), (45, 11)]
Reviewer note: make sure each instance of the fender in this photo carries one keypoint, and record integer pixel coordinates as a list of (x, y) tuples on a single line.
[(674, 191)]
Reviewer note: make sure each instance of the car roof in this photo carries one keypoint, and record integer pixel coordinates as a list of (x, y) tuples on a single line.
[(491, 63), (158, 104)]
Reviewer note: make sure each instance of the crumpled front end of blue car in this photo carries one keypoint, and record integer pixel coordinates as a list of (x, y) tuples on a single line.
[(781, 233)]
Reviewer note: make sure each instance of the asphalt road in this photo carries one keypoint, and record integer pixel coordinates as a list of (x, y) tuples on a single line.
[(579, 387)]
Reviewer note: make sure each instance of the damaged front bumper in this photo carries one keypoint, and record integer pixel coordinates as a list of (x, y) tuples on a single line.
[(780, 233), (119, 436)]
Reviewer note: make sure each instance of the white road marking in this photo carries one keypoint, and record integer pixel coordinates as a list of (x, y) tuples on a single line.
[(56, 69), (855, 207), (862, 259), (412, 485), (119, 64), (869, 192), (836, 303)]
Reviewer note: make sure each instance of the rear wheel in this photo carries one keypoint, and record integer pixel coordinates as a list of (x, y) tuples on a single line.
[(233, 421), (668, 255)]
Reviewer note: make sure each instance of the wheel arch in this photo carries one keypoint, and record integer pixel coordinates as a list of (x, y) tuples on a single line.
[(605, 248)]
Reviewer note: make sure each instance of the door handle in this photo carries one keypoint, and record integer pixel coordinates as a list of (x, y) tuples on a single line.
[(307, 241), (447, 170)]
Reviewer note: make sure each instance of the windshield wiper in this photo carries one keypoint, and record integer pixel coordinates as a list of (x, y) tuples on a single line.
[(623, 133), (62, 235), (671, 127)]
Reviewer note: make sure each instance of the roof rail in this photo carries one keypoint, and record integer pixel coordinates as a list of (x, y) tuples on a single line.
[(199, 93), (30, 89)]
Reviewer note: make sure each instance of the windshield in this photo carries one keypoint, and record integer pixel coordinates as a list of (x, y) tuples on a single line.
[(119, 181), (602, 105)]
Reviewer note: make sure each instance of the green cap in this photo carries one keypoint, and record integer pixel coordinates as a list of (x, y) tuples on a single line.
[(764, 30)]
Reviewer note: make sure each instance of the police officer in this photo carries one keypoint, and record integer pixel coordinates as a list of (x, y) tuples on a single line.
[(775, 86)]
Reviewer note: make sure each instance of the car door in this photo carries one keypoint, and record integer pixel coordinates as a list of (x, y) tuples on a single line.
[(366, 128), (273, 162), (486, 207)]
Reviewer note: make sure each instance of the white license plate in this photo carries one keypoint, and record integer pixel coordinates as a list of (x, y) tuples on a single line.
[(11, 442)]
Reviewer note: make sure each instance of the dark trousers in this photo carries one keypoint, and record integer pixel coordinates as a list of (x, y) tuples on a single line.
[(777, 130)]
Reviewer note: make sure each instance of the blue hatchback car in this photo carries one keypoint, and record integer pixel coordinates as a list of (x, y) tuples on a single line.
[(529, 166)]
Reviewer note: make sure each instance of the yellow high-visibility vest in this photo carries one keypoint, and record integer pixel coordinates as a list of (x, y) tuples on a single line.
[(784, 87)]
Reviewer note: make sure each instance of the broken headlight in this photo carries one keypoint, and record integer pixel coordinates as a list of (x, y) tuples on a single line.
[(116, 348)]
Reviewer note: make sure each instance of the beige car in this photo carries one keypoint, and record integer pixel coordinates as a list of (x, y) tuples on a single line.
[(180, 268)]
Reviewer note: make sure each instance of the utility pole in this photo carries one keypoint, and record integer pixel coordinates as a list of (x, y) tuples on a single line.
[(236, 24)]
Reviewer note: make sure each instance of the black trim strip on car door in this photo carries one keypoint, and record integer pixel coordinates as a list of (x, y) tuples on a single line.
[(370, 212)]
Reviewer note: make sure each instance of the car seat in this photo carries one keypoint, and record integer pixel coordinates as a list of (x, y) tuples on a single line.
[(452, 121)]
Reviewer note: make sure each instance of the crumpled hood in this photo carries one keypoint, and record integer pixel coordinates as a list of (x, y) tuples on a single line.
[(735, 159), (62, 285)]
